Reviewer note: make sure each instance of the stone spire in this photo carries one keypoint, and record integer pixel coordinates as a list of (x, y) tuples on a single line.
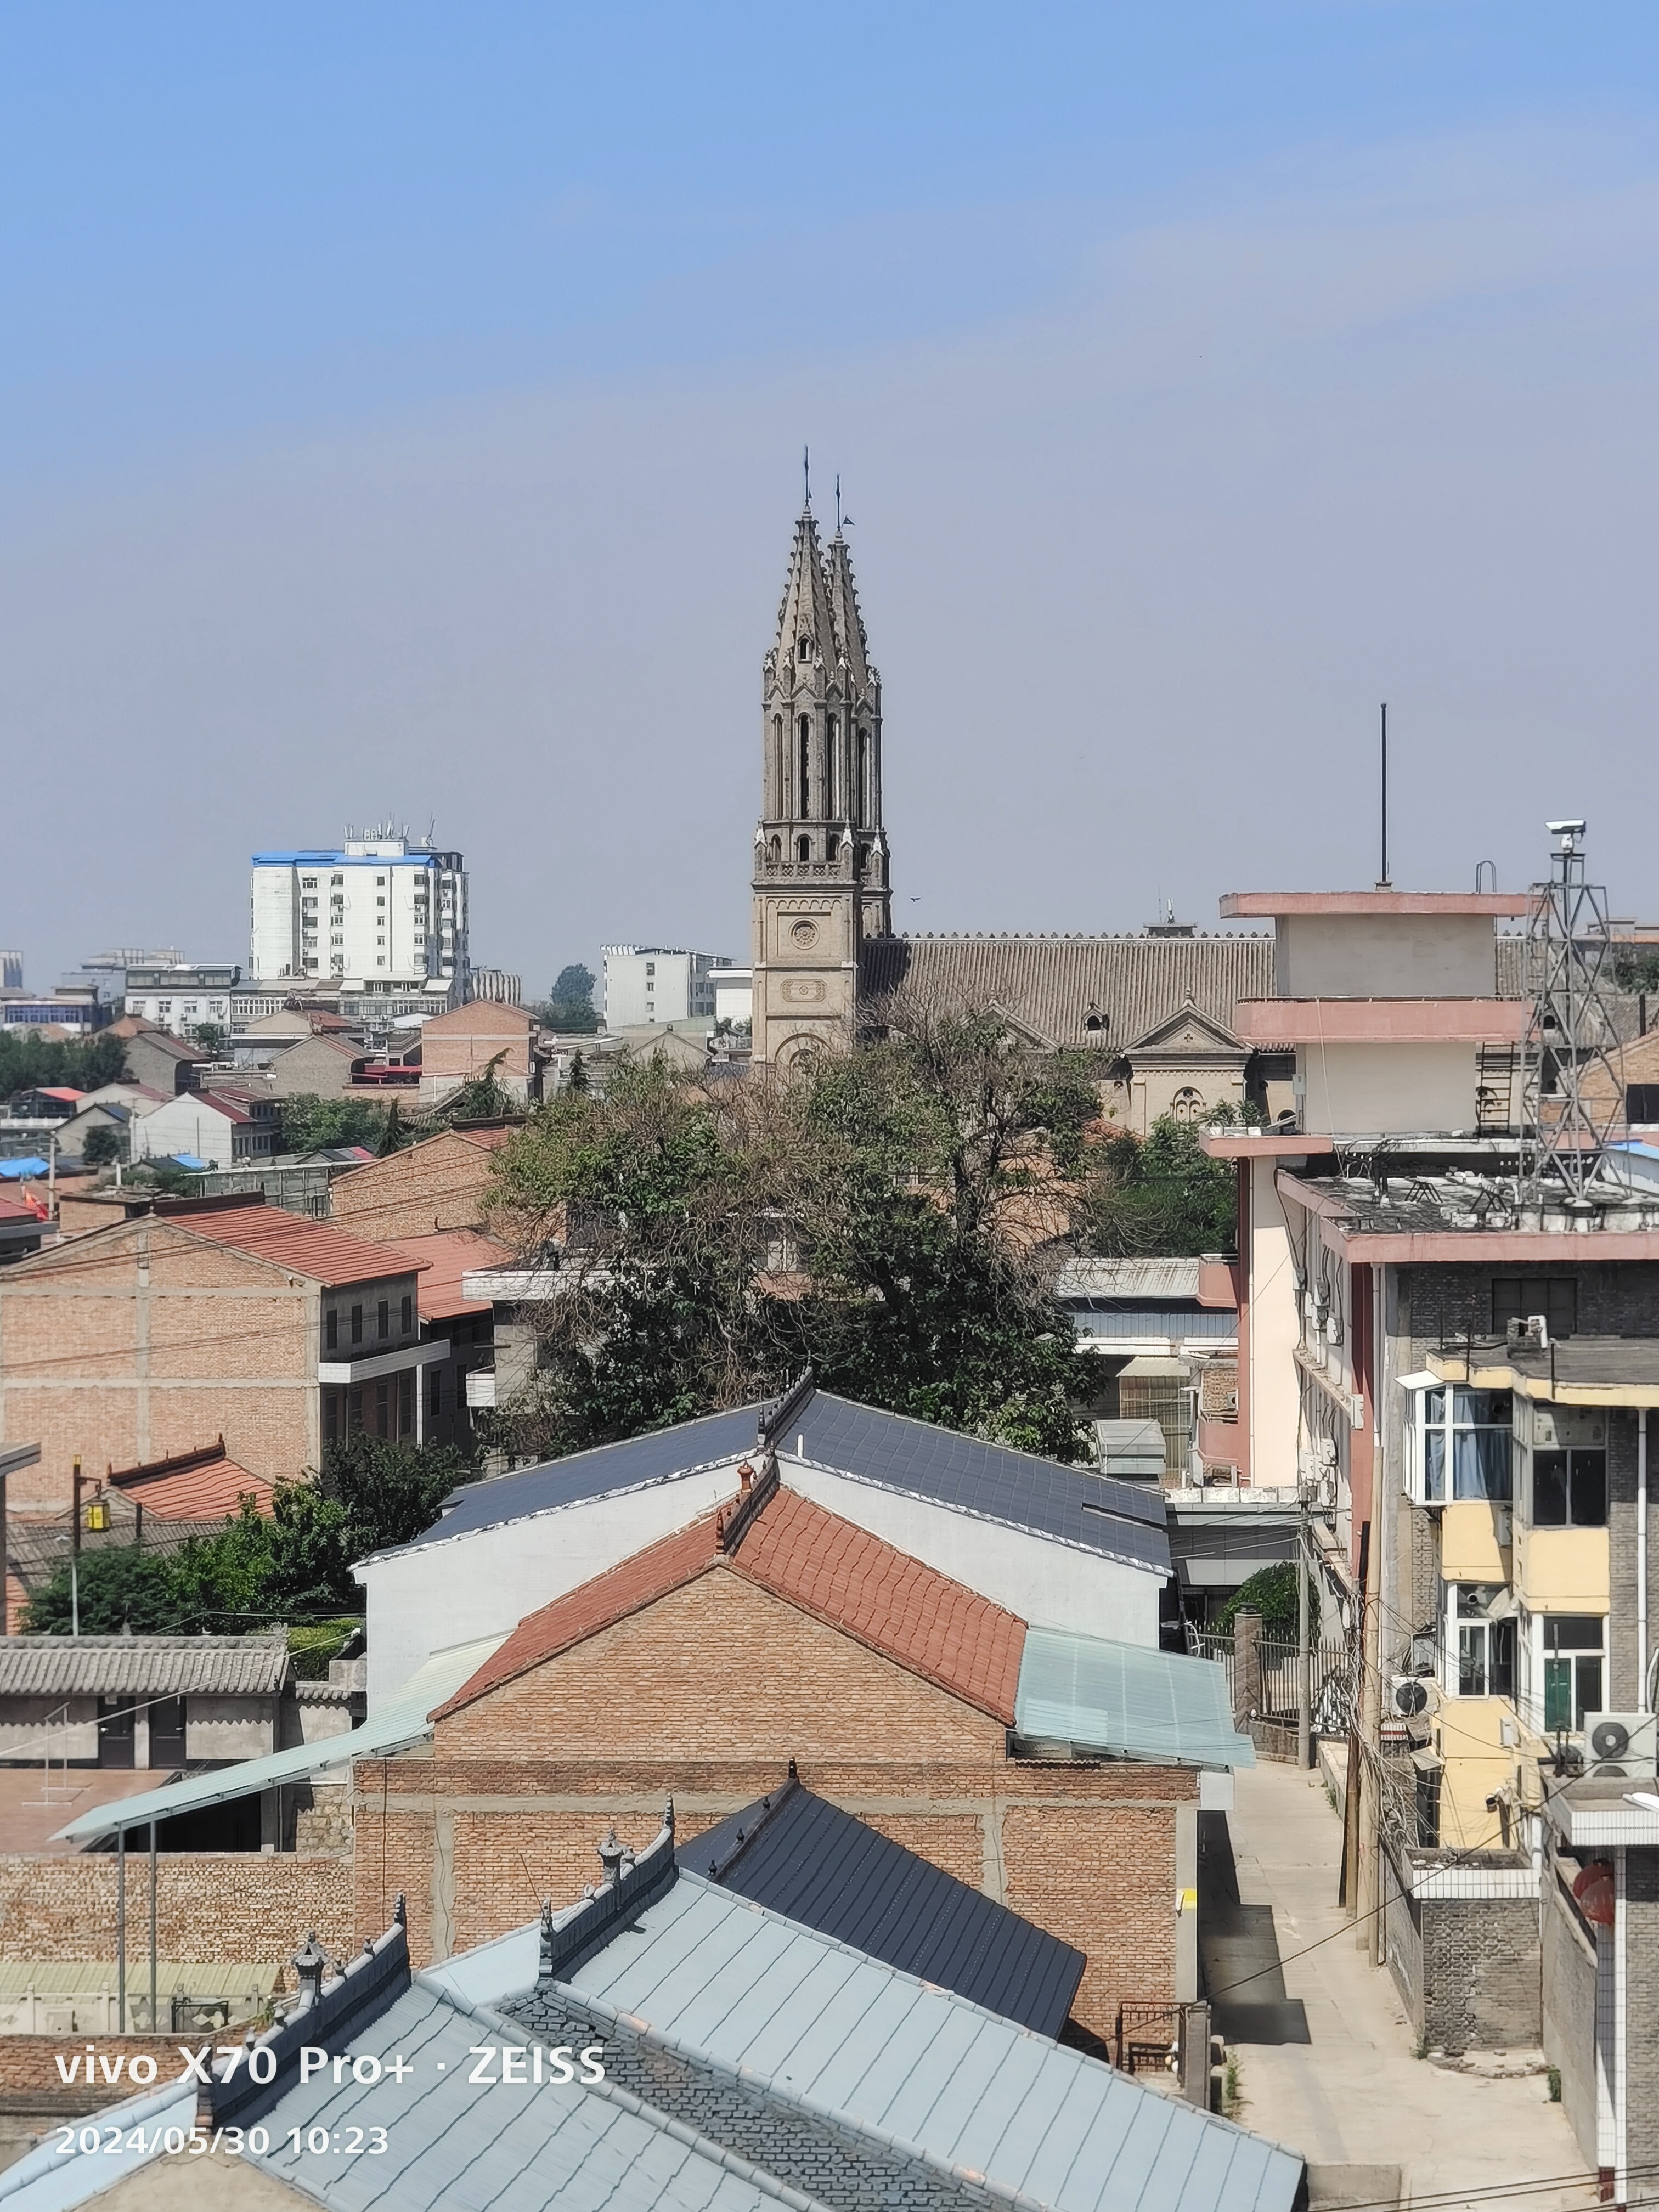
[(806, 622), (850, 641)]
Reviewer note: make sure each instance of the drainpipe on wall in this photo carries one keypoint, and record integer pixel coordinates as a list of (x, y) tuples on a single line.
[(1643, 1700)]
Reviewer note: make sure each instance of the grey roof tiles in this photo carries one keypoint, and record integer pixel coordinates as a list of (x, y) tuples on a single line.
[(144, 1665)]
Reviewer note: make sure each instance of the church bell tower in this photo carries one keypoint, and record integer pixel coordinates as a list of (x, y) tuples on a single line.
[(821, 874)]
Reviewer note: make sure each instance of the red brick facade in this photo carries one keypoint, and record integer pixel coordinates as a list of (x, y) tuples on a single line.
[(440, 1183), (707, 1692)]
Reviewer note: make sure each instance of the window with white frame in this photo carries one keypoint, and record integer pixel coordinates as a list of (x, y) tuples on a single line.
[(1573, 1655), (1480, 1640), (1569, 1489), (1463, 1445)]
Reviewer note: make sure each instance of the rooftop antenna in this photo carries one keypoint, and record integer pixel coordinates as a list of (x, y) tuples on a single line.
[(1574, 1091), (806, 474), (1384, 883)]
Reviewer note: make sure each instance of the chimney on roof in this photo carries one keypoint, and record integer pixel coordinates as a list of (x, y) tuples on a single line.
[(310, 1965)]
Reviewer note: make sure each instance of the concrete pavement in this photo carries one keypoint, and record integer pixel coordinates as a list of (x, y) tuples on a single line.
[(1351, 2093)]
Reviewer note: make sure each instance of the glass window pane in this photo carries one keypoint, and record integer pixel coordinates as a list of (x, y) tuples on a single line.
[(1481, 1408), (1588, 1700), (1434, 1465), (1472, 1662), (1481, 1463), (1501, 1635), (1557, 1695), (1549, 1489), (1590, 1490), (1573, 1632), (1434, 1408)]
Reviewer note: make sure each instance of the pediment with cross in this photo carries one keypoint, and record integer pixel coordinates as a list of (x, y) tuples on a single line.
[(1191, 1035)]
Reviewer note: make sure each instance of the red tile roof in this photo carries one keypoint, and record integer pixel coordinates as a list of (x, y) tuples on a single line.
[(327, 1254), (445, 1255), (198, 1485), (811, 1558)]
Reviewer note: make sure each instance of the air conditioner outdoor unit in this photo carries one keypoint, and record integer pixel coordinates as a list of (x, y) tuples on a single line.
[(1413, 1697), (1620, 1746)]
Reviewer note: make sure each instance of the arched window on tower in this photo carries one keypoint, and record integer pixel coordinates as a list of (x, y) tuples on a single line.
[(803, 849), (804, 788), (830, 729), (832, 850), (774, 851), (803, 651), (861, 797)]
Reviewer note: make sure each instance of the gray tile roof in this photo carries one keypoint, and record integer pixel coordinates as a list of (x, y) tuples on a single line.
[(1052, 985), (804, 1857), (1116, 1519), (144, 1665)]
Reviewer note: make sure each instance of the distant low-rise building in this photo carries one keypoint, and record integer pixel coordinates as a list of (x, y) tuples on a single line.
[(459, 1047), (658, 983), (156, 1060), (230, 1126), (183, 998), (442, 1182)]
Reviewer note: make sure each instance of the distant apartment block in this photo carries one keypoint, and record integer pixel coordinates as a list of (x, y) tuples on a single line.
[(646, 984), (380, 913), (183, 997)]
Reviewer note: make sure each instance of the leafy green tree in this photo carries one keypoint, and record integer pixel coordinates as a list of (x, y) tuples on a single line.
[(388, 1493), (1161, 1196), (876, 1216), (103, 1145), (311, 1125), (209, 1038), (482, 1098), (119, 1587), (30, 1063), (1271, 1591), (570, 1002)]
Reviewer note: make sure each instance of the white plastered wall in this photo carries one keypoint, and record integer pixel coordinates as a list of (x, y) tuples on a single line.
[(1369, 1089), (1275, 1332), (1365, 955)]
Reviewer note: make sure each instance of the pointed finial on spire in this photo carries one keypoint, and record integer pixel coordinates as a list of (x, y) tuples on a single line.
[(806, 474)]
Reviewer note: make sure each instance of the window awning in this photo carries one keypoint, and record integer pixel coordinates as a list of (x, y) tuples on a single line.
[(402, 1721), (1122, 1701)]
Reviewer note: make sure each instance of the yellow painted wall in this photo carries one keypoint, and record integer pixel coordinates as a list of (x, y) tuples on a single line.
[(1469, 1549), (1467, 1734), (1563, 1570)]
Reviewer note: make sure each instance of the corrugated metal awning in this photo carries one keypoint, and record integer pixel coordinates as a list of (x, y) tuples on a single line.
[(400, 1721)]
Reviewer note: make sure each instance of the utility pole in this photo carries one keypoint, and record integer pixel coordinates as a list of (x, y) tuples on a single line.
[(1367, 1887), (75, 1555), (1303, 1658)]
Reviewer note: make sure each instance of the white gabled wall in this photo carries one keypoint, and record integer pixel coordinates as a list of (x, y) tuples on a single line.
[(1052, 1584)]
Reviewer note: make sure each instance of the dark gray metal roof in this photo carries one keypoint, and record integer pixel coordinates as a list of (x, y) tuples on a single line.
[(630, 1465), (1122, 1519), (800, 1856), (1118, 1519)]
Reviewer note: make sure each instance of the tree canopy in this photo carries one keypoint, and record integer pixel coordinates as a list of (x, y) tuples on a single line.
[(310, 1124), (570, 1002), (31, 1063), (295, 1565), (1160, 1197), (882, 1216)]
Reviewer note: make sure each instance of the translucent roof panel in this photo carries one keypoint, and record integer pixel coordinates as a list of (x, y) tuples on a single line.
[(1127, 1702)]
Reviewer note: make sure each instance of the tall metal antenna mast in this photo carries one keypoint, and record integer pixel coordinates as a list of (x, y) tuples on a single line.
[(806, 471), (1383, 881), (1574, 1091)]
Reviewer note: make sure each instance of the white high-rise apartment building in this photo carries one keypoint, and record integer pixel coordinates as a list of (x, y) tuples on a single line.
[(646, 984), (378, 913)]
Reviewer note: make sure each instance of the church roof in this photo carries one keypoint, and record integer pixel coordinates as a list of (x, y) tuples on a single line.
[(806, 611), (1052, 986)]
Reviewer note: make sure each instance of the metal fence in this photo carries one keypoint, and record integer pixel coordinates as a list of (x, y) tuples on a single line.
[(1330, 1669)]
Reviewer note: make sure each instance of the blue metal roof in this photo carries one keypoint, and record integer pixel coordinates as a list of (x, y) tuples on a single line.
[(1121, 1520), (659, 1456), (1126, 1702), (805, 1859), (1093, 1512), (817, 2024)]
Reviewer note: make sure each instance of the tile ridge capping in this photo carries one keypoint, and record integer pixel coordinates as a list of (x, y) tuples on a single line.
[(630, 1883), (839, 2117), (361, 1991)]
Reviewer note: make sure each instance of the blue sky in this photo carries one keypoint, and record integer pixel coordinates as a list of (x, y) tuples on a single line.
[(400, 409)]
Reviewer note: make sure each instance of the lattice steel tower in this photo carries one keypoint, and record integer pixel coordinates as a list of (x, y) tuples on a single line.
[(1570, 1035)]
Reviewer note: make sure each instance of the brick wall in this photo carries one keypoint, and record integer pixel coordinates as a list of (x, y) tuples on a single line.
[(141, 1341), (1468, 1967), (708, 1694), (439, 1184), (1641, 1910), (1568, 2009), (212, 1907)]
